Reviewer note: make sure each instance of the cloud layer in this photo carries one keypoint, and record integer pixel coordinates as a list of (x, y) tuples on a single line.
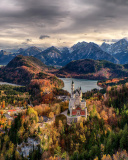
[(60, 23)]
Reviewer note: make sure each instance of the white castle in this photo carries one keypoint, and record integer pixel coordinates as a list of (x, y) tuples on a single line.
[(77, 106)]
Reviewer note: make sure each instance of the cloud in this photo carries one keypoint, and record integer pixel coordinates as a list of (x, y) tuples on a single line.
[(114, 40), (110, 40), (28, 40), (44, 36), (69, 20)]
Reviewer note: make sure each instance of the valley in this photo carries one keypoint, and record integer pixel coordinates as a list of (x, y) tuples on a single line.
[(35, 98), (63, 80)]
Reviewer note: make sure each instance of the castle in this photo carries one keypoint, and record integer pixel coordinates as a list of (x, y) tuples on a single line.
[(77, 106)]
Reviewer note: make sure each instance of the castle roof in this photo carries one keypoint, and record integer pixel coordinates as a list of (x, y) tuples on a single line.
[(77, 90)]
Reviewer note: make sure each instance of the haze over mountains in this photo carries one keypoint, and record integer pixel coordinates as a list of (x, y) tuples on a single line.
[(116, 53)]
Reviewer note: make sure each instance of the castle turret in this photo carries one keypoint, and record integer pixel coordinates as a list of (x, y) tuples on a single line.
[(80, 94), (72, 89)]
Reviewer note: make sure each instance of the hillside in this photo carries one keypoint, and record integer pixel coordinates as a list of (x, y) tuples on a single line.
[(92, 69), (24, 70)]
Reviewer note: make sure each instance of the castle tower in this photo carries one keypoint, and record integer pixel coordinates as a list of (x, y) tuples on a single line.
[(72, 89), (80, 94)]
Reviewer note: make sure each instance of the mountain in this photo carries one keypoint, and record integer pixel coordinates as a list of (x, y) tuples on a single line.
[(91, 51), (50, 56), (32, 51), (5, 57), (81, 50), (119, 50), (92, 69), (55, 57), (66, 58), (79, 45), (105, 47), (25, 70), (120, 46), (122, 57), (115, 48)]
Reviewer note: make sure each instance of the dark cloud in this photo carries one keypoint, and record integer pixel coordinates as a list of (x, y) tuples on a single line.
[(20, 19), (110, 40), (44, 36), (117, 2), (28, 40), (33, 11), (99, 15)]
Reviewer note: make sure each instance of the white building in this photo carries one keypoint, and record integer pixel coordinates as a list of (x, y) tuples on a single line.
[(77, 106)]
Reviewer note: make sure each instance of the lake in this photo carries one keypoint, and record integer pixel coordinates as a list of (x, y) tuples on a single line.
[(5, 83), (86, 85)]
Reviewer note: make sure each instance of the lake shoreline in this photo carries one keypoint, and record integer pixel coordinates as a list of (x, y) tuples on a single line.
[(11, 84), (85, 84)]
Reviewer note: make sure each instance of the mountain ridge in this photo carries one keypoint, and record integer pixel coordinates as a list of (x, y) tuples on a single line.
[(53, 56)]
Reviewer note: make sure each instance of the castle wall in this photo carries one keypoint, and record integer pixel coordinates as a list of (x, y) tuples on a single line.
[(71, 120)]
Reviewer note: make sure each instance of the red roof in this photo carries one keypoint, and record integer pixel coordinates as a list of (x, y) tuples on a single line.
[(78, 108), (82, 113), (74, 112)]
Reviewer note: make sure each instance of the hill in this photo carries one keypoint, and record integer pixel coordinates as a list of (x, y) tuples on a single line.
[(93, 69), (25, 70)]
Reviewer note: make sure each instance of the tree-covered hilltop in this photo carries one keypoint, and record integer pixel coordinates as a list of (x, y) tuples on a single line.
[(93, 69), (32, 73), (23, 69)]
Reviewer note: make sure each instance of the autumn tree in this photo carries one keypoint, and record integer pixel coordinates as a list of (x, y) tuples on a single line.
[(51, 115)]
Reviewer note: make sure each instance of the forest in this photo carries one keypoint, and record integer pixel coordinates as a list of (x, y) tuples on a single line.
[(103, 136)]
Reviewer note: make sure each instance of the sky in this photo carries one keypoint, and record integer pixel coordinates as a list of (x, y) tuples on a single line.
[(45, 23)]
